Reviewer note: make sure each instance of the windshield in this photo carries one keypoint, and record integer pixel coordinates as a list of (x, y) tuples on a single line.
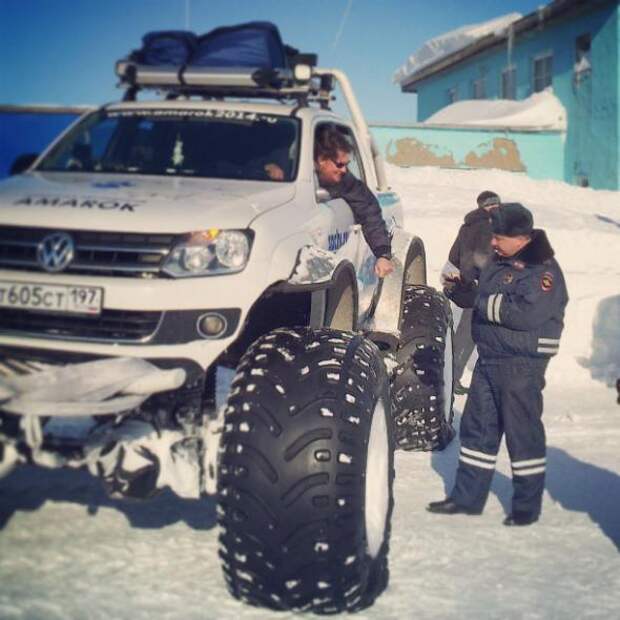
[(228, 144)]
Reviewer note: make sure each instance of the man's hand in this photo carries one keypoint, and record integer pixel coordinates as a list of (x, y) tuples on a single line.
[(449, 274), (274, 172), (383, 267)]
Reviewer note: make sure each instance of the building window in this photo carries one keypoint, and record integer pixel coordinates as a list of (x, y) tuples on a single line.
[(509, 83), (583, 59), (452, 95), (543, 66), (479, 90)]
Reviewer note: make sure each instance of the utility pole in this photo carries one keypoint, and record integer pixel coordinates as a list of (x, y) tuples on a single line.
[(187, 11)]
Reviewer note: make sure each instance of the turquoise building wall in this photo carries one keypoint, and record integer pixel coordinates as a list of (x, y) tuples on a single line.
[(539, 154), (591, 150)]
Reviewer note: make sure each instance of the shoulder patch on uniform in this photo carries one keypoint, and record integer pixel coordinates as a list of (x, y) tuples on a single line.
[(546, 281), (518, 264)]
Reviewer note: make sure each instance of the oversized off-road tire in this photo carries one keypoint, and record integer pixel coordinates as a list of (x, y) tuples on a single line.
[(306, 473), (422, 382)]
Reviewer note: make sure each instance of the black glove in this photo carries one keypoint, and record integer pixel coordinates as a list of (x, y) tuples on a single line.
[(463, 294)]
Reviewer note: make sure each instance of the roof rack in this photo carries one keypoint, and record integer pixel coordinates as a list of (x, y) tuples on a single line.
[(299, 82)]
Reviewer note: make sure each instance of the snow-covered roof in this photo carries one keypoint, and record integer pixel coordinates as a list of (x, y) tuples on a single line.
[(450, 42), (541, 111)]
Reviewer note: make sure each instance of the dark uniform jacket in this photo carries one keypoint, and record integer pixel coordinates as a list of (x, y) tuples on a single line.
[(519, 310), (366, 211)]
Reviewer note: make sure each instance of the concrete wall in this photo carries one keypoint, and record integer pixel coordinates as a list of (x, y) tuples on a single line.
[(591, 99), (538, 154)]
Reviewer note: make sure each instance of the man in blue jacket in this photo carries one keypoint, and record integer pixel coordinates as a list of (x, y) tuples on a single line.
[(517, 322)]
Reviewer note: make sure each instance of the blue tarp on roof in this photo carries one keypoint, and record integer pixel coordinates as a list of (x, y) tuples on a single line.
[(255, 44)]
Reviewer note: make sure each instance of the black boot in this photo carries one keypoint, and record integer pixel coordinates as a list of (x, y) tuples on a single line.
[(520, 518), (449, 507)]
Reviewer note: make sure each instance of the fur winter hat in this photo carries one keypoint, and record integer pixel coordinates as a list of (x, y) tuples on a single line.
[(487, 199), (511, 220)]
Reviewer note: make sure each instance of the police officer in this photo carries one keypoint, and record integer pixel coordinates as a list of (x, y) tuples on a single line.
[(517, 323)]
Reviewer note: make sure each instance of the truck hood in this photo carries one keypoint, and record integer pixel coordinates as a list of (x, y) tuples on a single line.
[(136, 203)]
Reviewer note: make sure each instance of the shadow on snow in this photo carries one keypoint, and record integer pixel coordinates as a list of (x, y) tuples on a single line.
[(581, 487), (27, 488), (576, 485), (604, 363)]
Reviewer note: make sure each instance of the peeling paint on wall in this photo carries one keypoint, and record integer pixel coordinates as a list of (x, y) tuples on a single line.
[(412, 152), (537, 153), (498, 153)]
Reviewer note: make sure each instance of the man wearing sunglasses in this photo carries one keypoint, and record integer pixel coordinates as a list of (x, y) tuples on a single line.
[(332, 153)]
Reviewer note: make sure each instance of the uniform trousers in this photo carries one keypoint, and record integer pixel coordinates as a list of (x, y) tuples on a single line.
[(505, 397)]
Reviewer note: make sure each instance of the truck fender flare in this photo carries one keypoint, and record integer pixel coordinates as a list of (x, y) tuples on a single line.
[(409, 259)]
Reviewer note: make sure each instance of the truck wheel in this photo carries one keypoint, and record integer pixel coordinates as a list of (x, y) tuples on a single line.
[(306, 473), (422, 382)]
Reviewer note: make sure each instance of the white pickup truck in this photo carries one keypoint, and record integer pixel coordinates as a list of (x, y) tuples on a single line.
[(147, 248)]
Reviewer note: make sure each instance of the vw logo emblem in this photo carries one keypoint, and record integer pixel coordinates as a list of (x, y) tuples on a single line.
[(55, 251)]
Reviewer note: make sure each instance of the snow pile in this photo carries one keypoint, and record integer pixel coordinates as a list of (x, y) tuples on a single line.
[(450, 42), (541, 110)]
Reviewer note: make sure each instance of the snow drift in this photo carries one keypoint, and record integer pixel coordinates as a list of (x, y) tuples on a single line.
[(539, 111)]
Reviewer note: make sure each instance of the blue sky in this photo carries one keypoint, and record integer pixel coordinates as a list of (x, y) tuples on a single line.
[(63, 51)]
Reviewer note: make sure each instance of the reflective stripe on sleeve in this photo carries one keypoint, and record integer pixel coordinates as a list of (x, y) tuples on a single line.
[(548, 345), (493, 306), (551, 350), (490, 307)]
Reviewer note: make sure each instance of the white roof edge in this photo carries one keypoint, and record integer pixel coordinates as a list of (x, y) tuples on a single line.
[(445, 44)]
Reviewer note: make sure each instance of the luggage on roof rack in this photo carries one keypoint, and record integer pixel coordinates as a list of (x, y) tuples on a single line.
[(255, 44), (165, 47), (247, 57)]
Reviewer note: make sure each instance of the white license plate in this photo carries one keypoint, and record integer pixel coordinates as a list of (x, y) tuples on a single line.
[(51, 298)]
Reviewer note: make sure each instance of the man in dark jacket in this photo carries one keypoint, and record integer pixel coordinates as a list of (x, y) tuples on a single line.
[(469, 253), (517, 323), (332, 153)]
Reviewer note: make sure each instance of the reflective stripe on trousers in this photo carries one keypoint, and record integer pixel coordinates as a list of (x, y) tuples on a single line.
[(504, 398)]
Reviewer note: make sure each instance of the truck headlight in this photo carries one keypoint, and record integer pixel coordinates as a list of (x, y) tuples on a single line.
[(209, 252)]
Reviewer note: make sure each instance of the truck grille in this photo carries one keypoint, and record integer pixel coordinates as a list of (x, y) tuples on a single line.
[(109, 326), (96, 253)]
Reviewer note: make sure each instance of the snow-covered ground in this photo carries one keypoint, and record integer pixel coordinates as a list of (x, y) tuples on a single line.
[(66, 551)]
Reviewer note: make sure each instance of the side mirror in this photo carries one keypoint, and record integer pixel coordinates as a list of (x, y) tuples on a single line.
[(322, 195), (22, 162)]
